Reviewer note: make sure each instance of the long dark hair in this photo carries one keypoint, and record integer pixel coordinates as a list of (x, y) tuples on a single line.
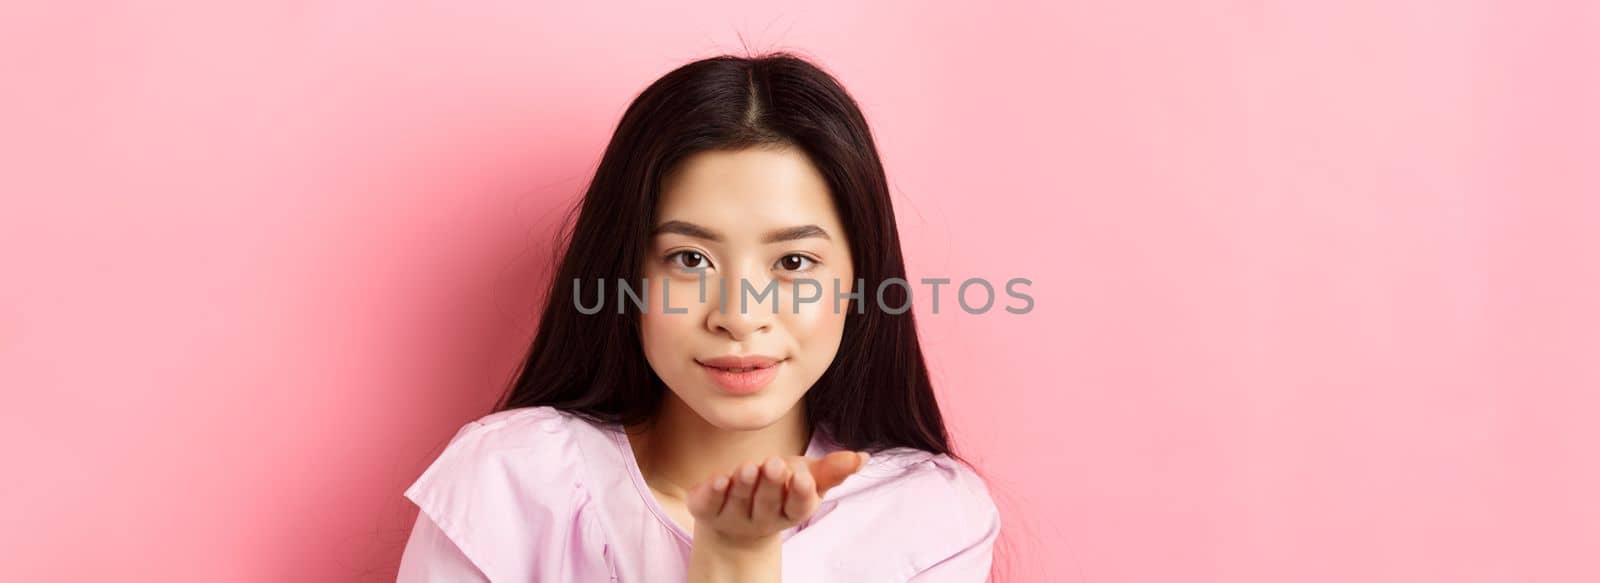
[(876, 394)]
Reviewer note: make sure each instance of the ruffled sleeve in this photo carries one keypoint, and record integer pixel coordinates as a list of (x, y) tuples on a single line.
[(507, 493), (431, 556)]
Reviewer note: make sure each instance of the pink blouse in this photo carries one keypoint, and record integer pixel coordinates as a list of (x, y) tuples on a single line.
[(540, 495)]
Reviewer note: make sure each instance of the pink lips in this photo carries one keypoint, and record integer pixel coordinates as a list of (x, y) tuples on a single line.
[(760, 371)]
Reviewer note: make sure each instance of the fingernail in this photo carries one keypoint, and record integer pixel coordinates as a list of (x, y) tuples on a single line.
[(720, 484), (747, 474), (774, 467)]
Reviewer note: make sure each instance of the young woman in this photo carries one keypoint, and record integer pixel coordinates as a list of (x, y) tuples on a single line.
[(753, 407)]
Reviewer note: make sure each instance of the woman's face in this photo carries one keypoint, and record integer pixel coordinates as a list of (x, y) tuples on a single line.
[(733, 219)]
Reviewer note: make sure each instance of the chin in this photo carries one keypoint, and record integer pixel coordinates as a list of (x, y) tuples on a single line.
[(742, 414)]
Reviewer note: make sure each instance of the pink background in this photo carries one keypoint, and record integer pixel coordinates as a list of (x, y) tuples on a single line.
[(1317, 285)]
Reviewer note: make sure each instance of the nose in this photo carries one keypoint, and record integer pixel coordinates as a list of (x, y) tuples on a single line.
[(727, 317)]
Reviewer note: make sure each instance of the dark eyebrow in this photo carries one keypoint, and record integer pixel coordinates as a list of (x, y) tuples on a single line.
[(692, 230), (793, 233), (687, 229)]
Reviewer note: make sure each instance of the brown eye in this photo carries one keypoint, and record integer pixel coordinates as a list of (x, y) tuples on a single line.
[(688, 260), (795, 262)]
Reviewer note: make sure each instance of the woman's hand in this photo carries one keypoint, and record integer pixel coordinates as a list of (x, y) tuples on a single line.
[(760, 500), (738, 515)]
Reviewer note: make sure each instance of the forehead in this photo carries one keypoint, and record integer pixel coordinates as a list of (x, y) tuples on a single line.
[(747, 191)]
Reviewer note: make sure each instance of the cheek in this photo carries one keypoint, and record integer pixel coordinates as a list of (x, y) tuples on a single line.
[(663, 334), (664, 350), (655, 328), (682, 292), (818, 327)]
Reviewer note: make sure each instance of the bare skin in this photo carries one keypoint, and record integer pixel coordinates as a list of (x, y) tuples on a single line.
[(736, 512), (725, 220), (739, 516)]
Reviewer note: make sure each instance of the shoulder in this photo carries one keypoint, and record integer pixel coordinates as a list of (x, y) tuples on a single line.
[(922, 490), (938, 481), (517, 427), (527, 446), (959, 514), (508, 491), (507, 481), (929, 506)]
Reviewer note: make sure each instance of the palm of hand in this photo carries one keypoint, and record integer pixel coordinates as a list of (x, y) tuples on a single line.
[(756, 501)]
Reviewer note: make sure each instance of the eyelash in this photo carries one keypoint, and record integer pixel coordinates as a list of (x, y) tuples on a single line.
[(670, 259)]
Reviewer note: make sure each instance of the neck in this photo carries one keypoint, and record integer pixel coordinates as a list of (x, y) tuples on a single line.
[(678, 449)]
